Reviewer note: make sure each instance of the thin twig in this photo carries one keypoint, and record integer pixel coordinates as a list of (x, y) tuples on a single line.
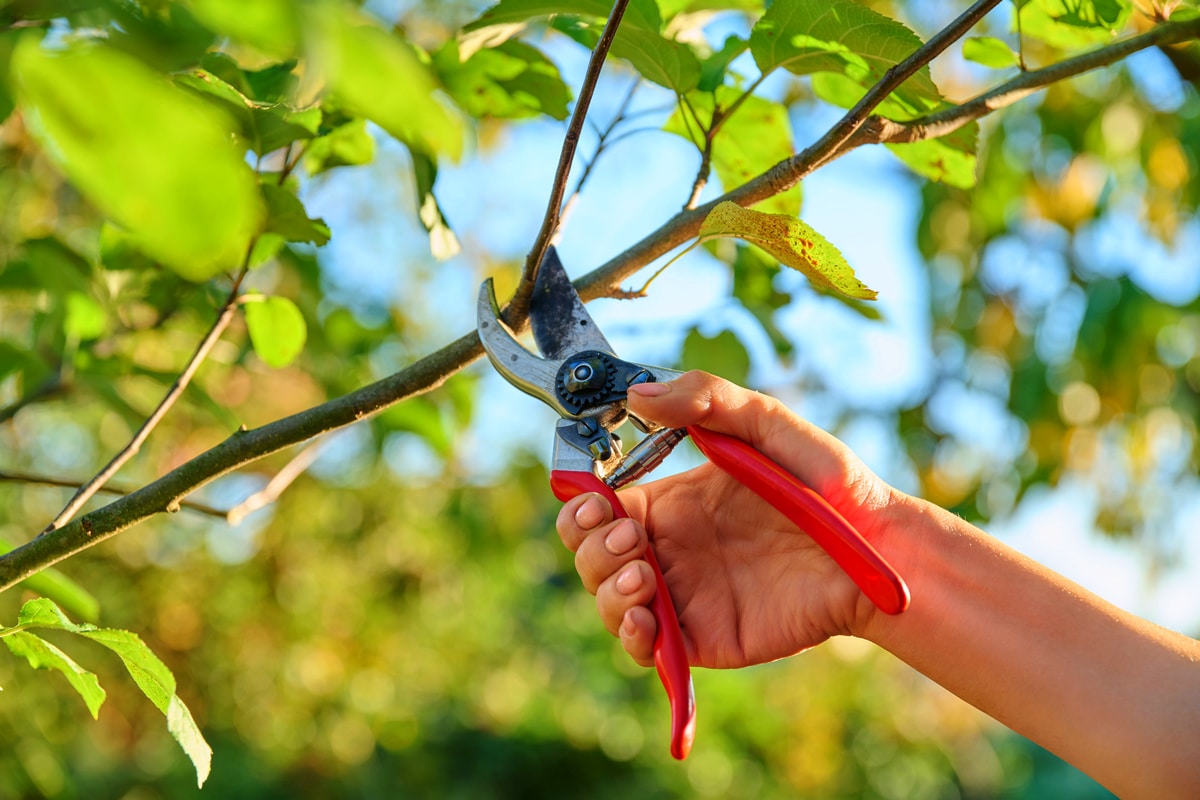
[(518, 307), (277, 485), (42, 480), (246, 446), (228, 309), (602, 143)]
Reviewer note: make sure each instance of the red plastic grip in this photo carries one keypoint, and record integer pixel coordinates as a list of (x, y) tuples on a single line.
[(670, 655), (877, 579)]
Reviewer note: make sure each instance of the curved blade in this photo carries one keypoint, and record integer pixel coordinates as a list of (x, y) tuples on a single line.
[(561, 325), (529, 373)]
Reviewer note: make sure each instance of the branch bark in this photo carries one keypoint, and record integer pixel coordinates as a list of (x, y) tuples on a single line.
[(243, 447)]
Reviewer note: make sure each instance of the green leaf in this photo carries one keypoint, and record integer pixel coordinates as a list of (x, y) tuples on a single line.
[(756, 137), (722, 355), (422, 416), (1074, 24), (8, 42), (50, 582), (148, 672), (271, 26), (713, 68), (272, 84), (86, 318), (183, 727), (287, 218), (264, 127), (158, 684), (639, 13), (639, 39), (841, 36), (442, 241), (509, 81), (990, 52), (949, 158), (379, 76), (156, 160), (42, 655), (754, 274), (345, 145), (277, 329), (668, 63), (791, 241)]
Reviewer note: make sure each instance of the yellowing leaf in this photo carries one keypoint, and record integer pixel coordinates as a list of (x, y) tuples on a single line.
[(791, 241)]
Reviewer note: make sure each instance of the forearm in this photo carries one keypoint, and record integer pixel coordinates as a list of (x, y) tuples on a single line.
[(1111, 693)]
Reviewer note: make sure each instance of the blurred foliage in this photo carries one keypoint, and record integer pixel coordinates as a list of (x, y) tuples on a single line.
[(402, 623)]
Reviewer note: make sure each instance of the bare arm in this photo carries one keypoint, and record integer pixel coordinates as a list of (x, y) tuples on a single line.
[(1109, 692)]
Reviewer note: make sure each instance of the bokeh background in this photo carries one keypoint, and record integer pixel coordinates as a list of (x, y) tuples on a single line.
[(403, 621)]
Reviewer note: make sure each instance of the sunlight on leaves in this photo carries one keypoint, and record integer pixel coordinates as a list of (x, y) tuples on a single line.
[(791, 241), (990, 52), (149, 673), (277, 329), (809, 36), (156, 160), (754, 138), (380, 76), (42, 655), (1074, 24)]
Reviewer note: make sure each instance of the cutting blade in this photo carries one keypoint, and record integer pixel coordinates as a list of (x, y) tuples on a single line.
[(561, 325)]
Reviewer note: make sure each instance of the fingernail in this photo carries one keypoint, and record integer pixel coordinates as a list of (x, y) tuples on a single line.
[(628, 627), (590, 513), (621, 539), (650, 389), (630, 580)]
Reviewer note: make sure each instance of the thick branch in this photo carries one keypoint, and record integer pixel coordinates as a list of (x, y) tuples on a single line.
[(940, 123), (166, 493)]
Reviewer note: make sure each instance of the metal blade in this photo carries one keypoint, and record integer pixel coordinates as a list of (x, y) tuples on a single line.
[(561, 325)]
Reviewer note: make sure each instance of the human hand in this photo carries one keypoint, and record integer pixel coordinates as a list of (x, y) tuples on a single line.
[(747, 585)]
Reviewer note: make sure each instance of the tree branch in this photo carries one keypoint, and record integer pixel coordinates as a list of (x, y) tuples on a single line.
[(243, 447), (518, 307), (940, 123), (86, 491), (277, 485), (42, 480)]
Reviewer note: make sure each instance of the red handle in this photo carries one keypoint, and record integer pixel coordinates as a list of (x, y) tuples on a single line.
[(821, 521), (670, 656)]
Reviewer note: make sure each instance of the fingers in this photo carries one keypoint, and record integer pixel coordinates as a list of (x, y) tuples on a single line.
[(697, 398), (608, 559)]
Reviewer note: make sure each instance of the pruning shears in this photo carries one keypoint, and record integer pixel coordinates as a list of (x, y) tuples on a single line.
[(582, 379)]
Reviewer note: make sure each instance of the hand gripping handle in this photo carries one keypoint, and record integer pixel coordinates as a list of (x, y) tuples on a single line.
[(670, 655), (877, 579)]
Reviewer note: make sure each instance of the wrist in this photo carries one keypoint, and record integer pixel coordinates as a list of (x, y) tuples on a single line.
[(909, 533)]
